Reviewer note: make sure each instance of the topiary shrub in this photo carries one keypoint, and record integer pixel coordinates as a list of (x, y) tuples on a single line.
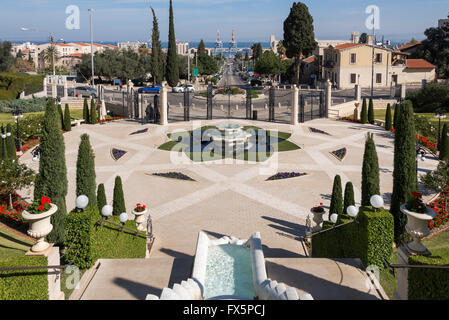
[(85, 171), (349, 196), (371, 111), (364, 112), (86, 111), (370, 171), (93, 112), (67, 119), (101, 197), (388, 121), (24, 284), (118, 203), (336, 205), (370, 240)]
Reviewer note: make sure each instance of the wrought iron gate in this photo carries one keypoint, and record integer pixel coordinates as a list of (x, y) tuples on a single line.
[(312, 106)]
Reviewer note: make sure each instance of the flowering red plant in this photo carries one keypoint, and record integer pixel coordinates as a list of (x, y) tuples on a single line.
[(139, 207), (415, 204), (39, 206), (318, 209)]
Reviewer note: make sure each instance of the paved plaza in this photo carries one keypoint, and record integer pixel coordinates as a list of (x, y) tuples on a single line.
[(228, 198)]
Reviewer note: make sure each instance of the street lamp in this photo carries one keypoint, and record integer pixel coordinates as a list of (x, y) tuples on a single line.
[(3, 151), (17, 114), (333, 217), (439, 114), (92, 46), (420, 155), (81, 202), (352, 211), (377, 202)]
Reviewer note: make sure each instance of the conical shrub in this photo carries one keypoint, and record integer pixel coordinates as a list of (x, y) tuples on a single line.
[(85, 171), (388, 122), (86, 112), (67, 119), (118, 202), (370, 171), (364, 112), (349, 197), (444, 149), (337, 197), (61, 117), (10, 144), (397, 113), (371, 111), (101, 197), (93, 112)]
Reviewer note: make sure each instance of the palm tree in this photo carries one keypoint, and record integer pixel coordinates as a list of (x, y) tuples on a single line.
[(51, 55), (280, 47)]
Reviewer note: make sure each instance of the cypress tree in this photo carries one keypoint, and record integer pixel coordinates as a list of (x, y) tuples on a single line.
[(93, 112), (404, 174), (337, 197), (10, 144), (172, 69), (52, 178), (349, 196), (444, 149), (86, 112), (396, 115), (370, 171), (85, 171), (67, 119), (118, 203), (388, 124), (101, 197), (61, 117), (201, 48), (157, 62), (363, 113), (371, 111)]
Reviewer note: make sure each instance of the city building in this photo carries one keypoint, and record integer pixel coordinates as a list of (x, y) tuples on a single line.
[(131, 45), (351, 63), (182, 48), (274, 44)]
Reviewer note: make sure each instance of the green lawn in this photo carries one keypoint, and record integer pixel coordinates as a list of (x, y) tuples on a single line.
[(12, 245), (380, 115), (7, 117), (438, 245)]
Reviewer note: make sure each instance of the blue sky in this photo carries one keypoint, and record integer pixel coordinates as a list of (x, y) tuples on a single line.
[(253, 20)]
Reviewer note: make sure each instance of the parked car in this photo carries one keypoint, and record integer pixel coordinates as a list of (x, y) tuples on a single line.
[(85, 92), (156, 88), (180, 89)]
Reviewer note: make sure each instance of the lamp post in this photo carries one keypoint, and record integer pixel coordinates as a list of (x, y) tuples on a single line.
[(92, 46), (439, 114), (106, 212), (3, 151), (17, 114), (377, 202), (81, 203)]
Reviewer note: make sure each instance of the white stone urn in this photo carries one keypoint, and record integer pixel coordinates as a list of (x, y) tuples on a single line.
[(140, 219), (318, 219), (418, 227), (40, 227)]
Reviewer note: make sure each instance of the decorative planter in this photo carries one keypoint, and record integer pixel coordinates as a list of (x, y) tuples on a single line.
[(417, 227), (40, 227), (140, 219), (318, 219)]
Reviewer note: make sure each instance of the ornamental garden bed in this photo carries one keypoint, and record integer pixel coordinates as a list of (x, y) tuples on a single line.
[(117, 154), (315, 130), (339, 154), (285, 175), (174, 175), (438, 205)]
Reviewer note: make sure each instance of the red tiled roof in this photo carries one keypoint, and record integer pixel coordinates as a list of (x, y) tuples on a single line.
[(419, 64), (347, 45), (77, 55), (63, 45), (81, 44), (98, 45), (309, 59), (409, 45), (111, 46)]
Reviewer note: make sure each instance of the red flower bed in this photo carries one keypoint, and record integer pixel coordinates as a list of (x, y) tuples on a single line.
[(350, 119), (442, 215), (14, 214), (109, 119), (426, 142), (27, 145)]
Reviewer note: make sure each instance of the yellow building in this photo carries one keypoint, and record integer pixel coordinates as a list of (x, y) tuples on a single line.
[(349, 64)]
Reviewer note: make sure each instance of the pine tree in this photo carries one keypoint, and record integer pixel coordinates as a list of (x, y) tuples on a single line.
[(67, 119), (397, 113), (118, 203), (349, 197), (444, 149), (61, 117), (93, 112), (86, 112), (371, 111), (388, 124), (85, 171), (201, 48), (101, 197), (364, 112), (404, 174), (52, 178), (10, 144), (157, 62), (370, 171), (172, 68), (337, 197), (299, 36)]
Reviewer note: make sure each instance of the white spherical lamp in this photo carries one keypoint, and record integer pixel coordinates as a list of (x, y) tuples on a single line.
[(334, 218), (106, 211), (8, 134), (123, 217), (352, 211), (376, 201), (35, 159), (82, 201)]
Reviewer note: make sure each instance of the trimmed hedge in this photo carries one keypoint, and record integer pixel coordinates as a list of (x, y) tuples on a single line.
[(24, 284), (429, 284), (12, 84), (25, 105), (87, 241), (370, 240)]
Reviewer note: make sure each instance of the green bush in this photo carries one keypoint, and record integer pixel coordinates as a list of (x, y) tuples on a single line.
[(24, 284), (429, 284), (25, 105), (430, 98), (118, 201), (88, 241), (12, 84), (78, 240), (370, 240)]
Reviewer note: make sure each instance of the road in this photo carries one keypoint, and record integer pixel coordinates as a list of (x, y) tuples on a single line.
[(230, 78)]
